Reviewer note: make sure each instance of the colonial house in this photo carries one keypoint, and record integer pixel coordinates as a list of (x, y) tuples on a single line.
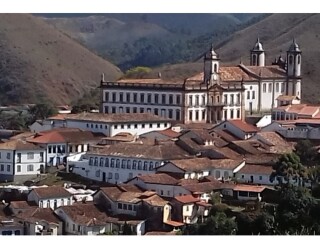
[(255, 174), (238, 128), (59, 143), (21, 160), (84, 219), (107, 124), (123, 161), (198, 168), (9, 225), (50, 197), (219, 93)]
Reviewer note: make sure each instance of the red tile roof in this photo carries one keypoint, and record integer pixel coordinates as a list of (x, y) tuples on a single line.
[(159, 178), (245, 127), (18, 144), (170, 133), (186, 199), (51, 192), (248, 188), (256, 169)]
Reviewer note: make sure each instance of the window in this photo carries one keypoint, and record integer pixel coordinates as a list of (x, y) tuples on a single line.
[(98, 173), (177, 114), (149, 98), (135, 97), (140, 165), (106, 110), (130, 175), (165, 125), (231, 113), (91, 161), (264, 87), (232, 99), (17, 232), (156, 98), (122, 126), (101, 162), (125, 206), (150, 125), (197, 115), (163, 96), (18, 168), (156, 111), (121, 97), (130, 207), (106, 96), (203, 114), (158, 125), (190, 115), (30, 168), (142, 97), (142, 125), (238, 98), (190, 101), (134, 164), (225, 114), (8, 155), (118, 163), (141, 110), (225, 99), (128, 126), (253, 95), (18, 157), (260, 177), (114, 97), (170, 99), (299, 59), (170, 113), (277, 87), (150, 166), (113, 110), (116, 176), (197, 100), (115, 126), (110, 175), (123, 163), (238, 113), (178, 99), (248, 95), (112, 163), (127, 110), (218, 174), (270, 87), (8, 168), (128, 97), (282, 87), (134, 208), (203, 99), (119, 205), (128, 164), (145, 166), (106, 163), (96, 161), (290, 59), (254, 60)]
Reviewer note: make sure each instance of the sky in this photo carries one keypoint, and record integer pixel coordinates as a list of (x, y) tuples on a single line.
[(159, 6)]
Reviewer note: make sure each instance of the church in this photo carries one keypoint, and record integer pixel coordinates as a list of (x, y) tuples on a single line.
[(216, 94)]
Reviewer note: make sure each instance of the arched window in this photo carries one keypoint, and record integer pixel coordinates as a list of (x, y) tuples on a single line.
[(96, 161), (290, 59), (150, 166), (140, 165), (112, 162), (145, 166), (215, 68), (129, 164), (118, 163), (134, 164), (254, 60), (226, 174), (299, 59), (106, 162), (123, 163), (101, 162)]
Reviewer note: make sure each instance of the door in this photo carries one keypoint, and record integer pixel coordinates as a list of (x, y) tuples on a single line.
[(103, 177)]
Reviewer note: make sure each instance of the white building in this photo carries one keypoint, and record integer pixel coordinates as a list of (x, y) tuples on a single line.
[(21, 160), (218, 93), (50, 197)]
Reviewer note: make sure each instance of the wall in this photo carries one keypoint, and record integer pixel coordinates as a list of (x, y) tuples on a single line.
[(36, 162), (231, 128), (263, 179), (46, 203), (194, 106), (231, 110), (138, 128), (6, 162)]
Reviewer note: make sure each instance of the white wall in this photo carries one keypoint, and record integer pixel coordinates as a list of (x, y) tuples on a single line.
[(263, 179), (49, 203), (36, 161), (231, 128), (6, 162), (138, 128)]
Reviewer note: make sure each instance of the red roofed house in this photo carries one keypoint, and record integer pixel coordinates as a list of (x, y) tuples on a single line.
[(238, 128)]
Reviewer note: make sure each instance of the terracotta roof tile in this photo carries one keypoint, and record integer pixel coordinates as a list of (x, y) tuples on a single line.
[(116, 117), (186, 199), (256, 169), (39, 214), (286, 98), (159, 178), (245, 127), (51, 192), (19, 145), (170, 133), (112, 192), (155, 200), (203, 187), (248, 188), (151, 81)]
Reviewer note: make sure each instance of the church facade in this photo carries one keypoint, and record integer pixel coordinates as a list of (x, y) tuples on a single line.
[(216, 94)]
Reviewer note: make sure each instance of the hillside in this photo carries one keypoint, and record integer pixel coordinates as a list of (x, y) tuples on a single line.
[(38, 62), (130, 40), (276, 33)]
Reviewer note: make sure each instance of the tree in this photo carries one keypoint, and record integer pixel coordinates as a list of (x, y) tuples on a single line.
[(294, 209), (306, 151), (289, 167), (42, 111)]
